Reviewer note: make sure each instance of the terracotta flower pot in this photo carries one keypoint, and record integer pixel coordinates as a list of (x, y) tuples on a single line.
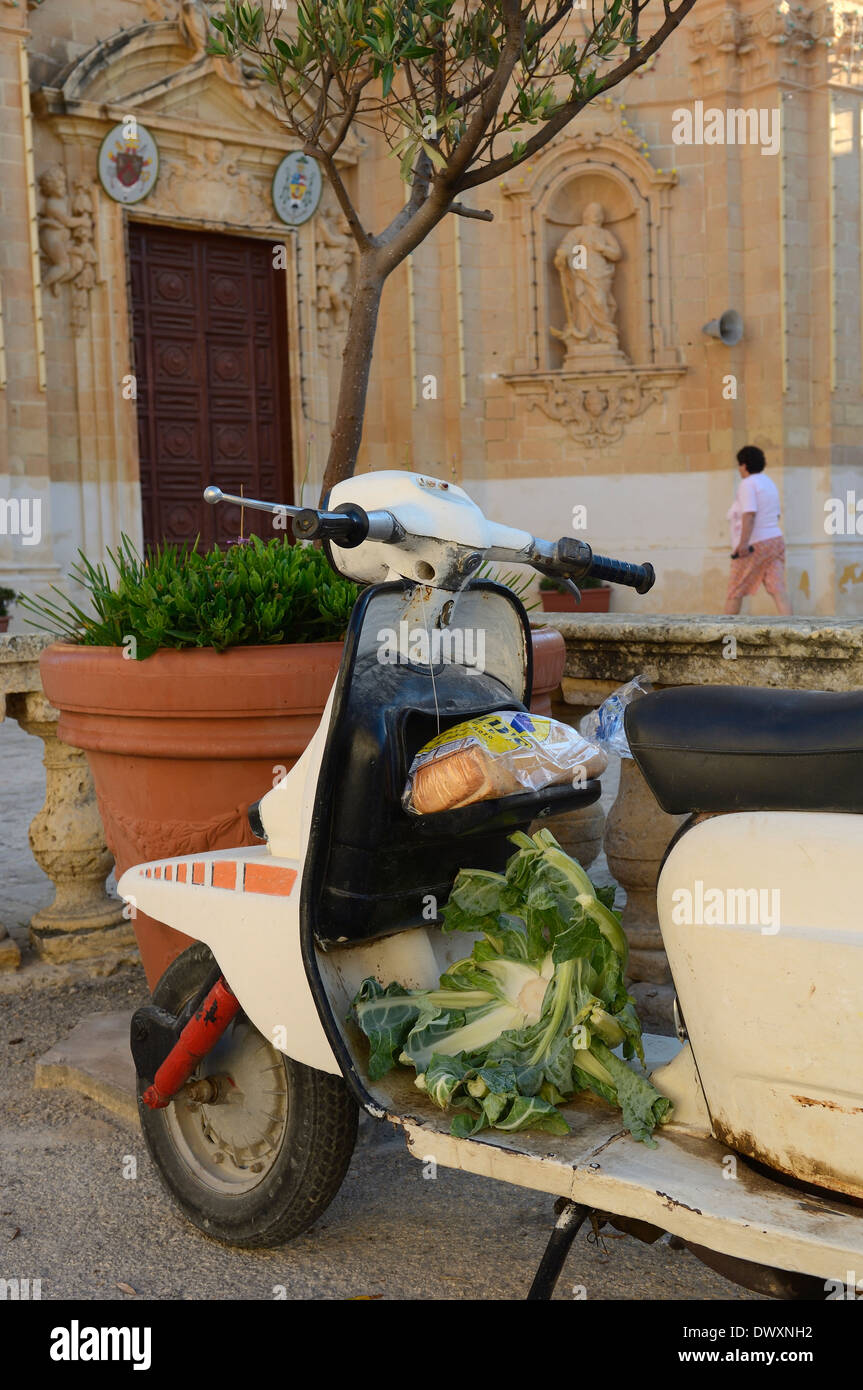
[(592, 601), (549, 657), (180, 744)]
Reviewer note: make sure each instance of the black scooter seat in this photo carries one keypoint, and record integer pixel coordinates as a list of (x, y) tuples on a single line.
[(729, 748)]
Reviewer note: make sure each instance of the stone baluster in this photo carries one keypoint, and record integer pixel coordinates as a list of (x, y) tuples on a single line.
[(579, 832), (10, 956), (637, 834), (68, 843)]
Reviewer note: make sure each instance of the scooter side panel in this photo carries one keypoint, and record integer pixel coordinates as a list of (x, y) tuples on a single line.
[(761, 922), (244, 904)]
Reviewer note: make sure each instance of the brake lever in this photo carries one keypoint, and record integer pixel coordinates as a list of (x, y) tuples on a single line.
[(564, 581)]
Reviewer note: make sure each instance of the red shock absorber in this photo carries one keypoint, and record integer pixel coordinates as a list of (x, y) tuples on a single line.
[(199, 1037)]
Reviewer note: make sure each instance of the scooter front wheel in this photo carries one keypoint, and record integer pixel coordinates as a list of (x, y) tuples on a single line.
[(260, 1164)]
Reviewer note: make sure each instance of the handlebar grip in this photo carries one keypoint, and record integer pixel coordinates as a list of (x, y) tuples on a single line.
[(346, 526), (637, 577)]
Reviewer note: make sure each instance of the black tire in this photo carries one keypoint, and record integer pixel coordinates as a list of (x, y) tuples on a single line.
[(306, 1160)]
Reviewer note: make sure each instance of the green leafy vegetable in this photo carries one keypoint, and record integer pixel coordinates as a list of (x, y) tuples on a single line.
[(532, 1016)]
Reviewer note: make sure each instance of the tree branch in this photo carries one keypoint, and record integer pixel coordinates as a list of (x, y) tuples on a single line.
[(481, 214), (497, 167), (360, 235), (491, 97)]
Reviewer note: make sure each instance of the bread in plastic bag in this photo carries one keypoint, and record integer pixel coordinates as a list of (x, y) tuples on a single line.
[(497, 755)]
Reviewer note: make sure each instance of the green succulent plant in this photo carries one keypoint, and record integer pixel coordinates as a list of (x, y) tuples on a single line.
[(254, 593)]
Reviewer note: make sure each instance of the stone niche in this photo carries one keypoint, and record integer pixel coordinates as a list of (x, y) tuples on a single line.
[(593, 301), (560, 226)]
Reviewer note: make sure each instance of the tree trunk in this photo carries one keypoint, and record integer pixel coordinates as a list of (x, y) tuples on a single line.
[(354, 383)]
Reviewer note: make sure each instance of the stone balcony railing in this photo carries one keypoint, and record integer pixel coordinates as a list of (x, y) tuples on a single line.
[(604, 651), (66, 836)]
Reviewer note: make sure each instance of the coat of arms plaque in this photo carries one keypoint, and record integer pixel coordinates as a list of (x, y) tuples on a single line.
[(128, 162), (296, 188)]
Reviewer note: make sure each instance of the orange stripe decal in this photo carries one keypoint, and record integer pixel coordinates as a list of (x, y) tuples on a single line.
[(169, 871), (269, 878), (224, 873), (181, 873), (157, 873)]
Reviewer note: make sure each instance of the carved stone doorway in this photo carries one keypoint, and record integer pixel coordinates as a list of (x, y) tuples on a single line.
[(210, 332)]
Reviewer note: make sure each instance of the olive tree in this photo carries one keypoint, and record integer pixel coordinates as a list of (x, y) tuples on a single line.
[(461, 92)]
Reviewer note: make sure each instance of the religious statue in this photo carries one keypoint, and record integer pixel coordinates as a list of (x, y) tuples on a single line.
[(585, 261), (56, 225), (66, 235)]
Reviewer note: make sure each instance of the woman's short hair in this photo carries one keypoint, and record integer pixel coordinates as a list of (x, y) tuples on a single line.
[(753, 458)]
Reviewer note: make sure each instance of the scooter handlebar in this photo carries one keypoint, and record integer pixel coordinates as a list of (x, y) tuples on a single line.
[(637, 577), (577, 561)]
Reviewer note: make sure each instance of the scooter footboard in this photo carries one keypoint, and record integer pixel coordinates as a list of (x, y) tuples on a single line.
[(681, 1186), (760, 919)]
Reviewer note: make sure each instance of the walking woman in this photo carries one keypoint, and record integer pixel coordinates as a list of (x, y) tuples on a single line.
[(758, 553)]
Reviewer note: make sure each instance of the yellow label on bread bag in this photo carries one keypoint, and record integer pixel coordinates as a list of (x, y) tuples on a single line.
[(495, 732)]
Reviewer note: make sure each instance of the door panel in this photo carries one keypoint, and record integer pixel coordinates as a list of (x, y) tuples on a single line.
[(210, 331)]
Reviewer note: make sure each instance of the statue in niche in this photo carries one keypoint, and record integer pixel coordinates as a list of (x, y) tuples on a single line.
[(585, 260)]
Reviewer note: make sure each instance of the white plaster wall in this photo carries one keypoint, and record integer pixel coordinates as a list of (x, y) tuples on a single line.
[(678, 522)]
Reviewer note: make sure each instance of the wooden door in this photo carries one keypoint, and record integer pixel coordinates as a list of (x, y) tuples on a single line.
[(210, 328)]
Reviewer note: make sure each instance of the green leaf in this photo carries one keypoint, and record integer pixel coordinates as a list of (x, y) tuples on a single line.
[(532, 1112), (386, 1016), (642, 1105)]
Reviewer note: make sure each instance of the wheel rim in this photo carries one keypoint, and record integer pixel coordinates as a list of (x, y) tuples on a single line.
[(232, 1146)]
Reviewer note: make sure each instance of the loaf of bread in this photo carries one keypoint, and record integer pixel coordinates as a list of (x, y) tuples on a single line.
[(498, 755)]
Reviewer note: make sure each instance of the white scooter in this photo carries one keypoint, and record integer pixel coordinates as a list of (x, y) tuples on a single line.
[(250, 1078)]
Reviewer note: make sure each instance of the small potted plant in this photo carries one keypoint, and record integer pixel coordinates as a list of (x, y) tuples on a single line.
[(194, 681), (558, 599), (7, 596)]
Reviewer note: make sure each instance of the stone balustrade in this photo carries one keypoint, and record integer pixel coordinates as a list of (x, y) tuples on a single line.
[(604, 650), (66, 836)]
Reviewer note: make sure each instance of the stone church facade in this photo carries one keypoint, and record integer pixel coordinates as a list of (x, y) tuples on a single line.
[(554, 361)]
